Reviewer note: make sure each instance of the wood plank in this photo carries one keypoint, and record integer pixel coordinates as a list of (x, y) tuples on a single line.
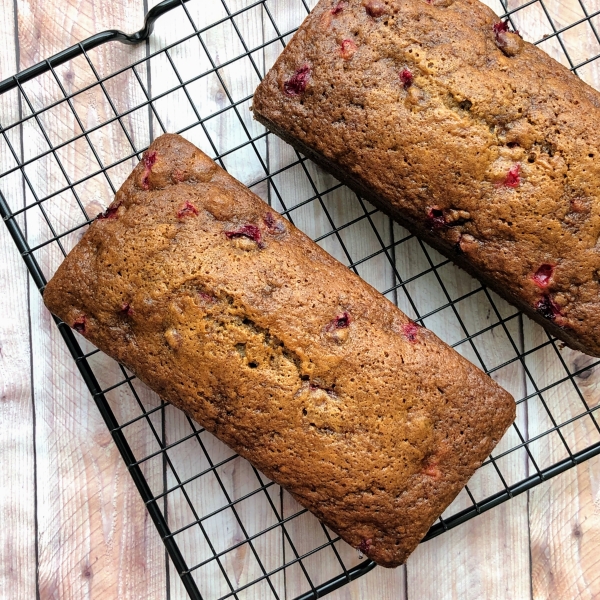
[(95, 538), (506, 526), (465, 563), (174, 112), (565, 531), (469, 562), (18, 559), (565, 535), (334, 209), (563, 513), (17, 495)]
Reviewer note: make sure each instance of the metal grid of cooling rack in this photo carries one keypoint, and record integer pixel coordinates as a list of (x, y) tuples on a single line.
[(195, 76)]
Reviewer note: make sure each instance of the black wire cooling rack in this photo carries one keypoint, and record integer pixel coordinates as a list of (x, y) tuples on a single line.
[(195, 75)]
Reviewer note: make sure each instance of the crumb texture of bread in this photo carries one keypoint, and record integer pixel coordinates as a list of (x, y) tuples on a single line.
[(474, 139), (233, 315)]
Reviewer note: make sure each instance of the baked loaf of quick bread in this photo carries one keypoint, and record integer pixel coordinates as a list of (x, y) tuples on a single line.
[(230, 313), (472, 138)]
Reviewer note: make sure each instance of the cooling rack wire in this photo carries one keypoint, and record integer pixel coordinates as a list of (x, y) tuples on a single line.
[(193, 71)]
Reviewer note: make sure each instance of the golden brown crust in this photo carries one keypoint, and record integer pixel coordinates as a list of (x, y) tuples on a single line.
[(236, 317), (473, 138)]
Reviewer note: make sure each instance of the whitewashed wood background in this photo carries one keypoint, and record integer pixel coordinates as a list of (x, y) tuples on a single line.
[(72, 525)]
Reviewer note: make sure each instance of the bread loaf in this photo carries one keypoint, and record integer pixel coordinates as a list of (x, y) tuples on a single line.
[(475, 140), (233, 315)]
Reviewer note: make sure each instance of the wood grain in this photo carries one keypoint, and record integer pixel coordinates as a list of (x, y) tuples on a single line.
[(333, 210), (565, 531), (564, 514), (95, 537), (180, 111), (17, 493), (480, 542), (477, 545)]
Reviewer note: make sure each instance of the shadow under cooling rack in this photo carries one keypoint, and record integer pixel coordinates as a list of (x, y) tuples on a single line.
[(74, 126)]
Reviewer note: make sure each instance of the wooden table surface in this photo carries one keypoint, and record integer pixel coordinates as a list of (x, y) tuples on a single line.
[(72, 523)]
